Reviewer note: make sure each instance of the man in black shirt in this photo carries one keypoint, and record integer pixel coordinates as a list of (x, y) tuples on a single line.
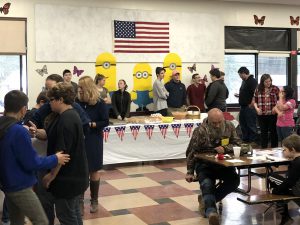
[(247, 111)]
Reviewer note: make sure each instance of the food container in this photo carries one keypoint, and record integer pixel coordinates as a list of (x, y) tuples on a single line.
[(179, 115), (193, 112)]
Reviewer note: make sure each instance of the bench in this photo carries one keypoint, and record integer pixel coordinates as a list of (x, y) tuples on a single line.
[(269, 199)]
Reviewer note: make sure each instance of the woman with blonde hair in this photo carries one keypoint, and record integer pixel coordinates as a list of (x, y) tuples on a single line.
[(88, 99)]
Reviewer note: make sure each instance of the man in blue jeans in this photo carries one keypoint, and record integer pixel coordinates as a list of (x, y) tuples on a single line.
[(247, 112), (218, 136)]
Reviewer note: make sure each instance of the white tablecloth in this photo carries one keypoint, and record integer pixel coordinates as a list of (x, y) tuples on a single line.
[(144, 149)]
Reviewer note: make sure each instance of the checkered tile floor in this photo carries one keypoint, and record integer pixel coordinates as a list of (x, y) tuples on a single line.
[(157, 194)]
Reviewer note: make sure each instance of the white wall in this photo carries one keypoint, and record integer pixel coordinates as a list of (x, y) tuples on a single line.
[(232, 14)]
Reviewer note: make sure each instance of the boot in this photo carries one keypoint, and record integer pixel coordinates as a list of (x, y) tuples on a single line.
[(94, 188), (81, 204)]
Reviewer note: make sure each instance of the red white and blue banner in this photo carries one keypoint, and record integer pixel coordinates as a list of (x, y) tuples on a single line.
[(135, 130)]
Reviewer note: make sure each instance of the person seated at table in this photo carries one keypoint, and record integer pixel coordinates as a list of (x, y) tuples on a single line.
[(218, 136), (289, 185), (121, 101)]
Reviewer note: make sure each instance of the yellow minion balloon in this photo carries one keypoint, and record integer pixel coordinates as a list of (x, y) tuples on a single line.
[(142, 85), (172, 62), (106, 65)]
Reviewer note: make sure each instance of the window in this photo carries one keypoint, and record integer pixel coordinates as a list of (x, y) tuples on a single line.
[(12, 69), (232, 63), (276, 67)]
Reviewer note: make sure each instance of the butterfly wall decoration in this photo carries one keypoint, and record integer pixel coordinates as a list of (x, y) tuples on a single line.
[(204, 78), (5, 8), (77, 71), (192, 68), (259, 21), (294, 21), (42, 71)]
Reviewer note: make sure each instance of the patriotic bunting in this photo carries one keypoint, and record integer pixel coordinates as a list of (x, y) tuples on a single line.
[(176, 128), (120, 131), (149, 130), (135, 130), (163, 129), (106, 131), (189, 128)]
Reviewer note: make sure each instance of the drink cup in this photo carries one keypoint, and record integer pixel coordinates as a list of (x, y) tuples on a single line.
[(237, 152)]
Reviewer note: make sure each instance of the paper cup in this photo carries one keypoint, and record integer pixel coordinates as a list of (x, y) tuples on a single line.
[(237, 152)]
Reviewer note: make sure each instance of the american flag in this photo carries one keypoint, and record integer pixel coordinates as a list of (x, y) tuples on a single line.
[(141, 37), (163, 129), (120, 131), (106, 131), (176, 128), (135, 130), (149, 130), (189, 128)]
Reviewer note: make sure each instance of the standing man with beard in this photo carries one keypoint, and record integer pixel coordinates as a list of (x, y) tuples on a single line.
[(219, 136)]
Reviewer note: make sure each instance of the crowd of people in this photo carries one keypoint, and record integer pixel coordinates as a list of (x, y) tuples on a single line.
[(71, 117)]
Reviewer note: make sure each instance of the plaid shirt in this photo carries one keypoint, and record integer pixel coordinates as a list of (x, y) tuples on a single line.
[(266, 100)]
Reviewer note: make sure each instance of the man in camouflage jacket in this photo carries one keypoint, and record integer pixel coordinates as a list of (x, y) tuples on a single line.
[(218, 136)]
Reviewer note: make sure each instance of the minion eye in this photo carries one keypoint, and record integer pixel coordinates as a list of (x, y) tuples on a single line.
[(138, 75), (145, 74), (106, 65), (172, 66)]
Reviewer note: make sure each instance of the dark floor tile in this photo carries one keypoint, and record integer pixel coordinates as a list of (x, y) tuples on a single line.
[(163, 200), (136, 175), (119, 212), (163, 223), (128, 191)]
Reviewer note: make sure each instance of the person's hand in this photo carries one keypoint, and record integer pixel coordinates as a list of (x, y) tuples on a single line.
[(32, 129), (62, 158), (220, 149), (279, 114), (47, 179), (189, 177), (119, 117), (258, 111)]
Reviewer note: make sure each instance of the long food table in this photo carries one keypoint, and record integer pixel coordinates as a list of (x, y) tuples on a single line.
[(147, 142)]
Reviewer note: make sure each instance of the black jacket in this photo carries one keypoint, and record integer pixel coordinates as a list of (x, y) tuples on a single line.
[(121, 103)]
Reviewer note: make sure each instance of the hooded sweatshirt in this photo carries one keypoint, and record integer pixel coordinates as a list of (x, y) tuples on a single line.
[(18, 159)]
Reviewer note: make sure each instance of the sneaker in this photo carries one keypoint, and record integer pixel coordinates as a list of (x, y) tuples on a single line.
[(94, 207), (213, 219), (201, 206)]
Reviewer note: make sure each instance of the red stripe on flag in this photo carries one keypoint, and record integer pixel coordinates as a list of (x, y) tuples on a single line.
[(150, 37), (140, 46), (153, 28), (154, 23), (145, 42), (146, 32), (142, 51)]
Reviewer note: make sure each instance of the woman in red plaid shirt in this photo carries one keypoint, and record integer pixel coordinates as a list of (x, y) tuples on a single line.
[(265, 99)]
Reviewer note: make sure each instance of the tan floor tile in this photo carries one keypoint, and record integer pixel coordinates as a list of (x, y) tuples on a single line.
[(139, 170), (181, 169), (133, 183), (129, 219), (188, 201), (193, 186), (126, 201), (193, 221)]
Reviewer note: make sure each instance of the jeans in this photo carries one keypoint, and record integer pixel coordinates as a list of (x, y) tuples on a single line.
[(5, 214), (25, 203), (284, 132), (248, 123), (208, 174), (267, 124)]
